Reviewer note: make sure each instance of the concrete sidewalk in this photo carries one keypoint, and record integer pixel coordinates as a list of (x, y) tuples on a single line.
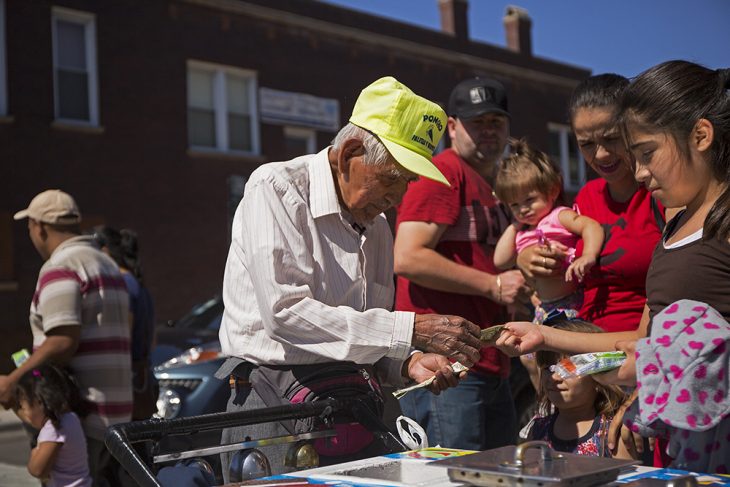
[(14, 452), (9, 420), (15, 476)]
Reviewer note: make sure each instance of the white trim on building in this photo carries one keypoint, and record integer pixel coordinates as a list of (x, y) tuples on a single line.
[(84, 68)]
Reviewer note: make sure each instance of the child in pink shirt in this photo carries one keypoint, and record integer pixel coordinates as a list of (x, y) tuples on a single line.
[(531, 186), (46, 397)]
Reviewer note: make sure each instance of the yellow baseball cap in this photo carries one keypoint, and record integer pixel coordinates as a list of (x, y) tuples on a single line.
[(408, 125)]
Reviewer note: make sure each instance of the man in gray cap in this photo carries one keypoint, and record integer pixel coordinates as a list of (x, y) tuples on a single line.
[(79, 317), (444, 246)]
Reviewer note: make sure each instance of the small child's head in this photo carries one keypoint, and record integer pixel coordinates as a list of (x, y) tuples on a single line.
[(528, 182), (578, 391), (47, 392)]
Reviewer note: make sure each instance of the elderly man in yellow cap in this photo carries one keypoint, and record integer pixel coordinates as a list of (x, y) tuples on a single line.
[(308, 285), (79, 318)]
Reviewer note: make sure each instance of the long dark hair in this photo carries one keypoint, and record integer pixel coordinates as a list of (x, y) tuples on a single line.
[(599, 91), (55, 390), (671, 97), (123, 248)]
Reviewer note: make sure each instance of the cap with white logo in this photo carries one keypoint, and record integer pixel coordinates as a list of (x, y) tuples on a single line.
[(476, 96)]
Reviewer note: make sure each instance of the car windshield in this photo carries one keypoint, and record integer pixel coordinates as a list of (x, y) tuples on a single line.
[(204, 315)]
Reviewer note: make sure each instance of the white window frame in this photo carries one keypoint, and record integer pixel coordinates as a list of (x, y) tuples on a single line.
[(3, 64), (220, 107), (308, 135), (564, 133), (88, 20)]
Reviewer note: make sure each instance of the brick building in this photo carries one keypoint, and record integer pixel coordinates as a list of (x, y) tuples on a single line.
[(152, 114)]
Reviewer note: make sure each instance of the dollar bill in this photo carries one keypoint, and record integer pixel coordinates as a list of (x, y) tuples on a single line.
[(491, 334), (456, 367)]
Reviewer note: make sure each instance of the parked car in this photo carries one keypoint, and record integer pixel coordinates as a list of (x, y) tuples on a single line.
[(199, 326), (185, 358)]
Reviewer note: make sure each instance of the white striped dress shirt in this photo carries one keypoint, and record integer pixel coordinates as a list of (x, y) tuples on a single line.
[(301, 286)]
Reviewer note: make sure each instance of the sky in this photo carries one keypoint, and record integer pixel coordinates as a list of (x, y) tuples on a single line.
[(619, 36)]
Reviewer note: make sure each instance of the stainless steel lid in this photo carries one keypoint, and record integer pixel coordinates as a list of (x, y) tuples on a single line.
[(532, 463)]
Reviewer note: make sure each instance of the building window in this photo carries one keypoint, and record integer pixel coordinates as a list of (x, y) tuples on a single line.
[(563, 149), (222, 113), (299, 141), (75, 82), (3, 65)]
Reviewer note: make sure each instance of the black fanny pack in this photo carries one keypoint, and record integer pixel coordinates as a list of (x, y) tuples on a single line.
[(280, 385)]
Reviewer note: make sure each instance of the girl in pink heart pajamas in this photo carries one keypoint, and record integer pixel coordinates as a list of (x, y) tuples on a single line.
[(683, 382)]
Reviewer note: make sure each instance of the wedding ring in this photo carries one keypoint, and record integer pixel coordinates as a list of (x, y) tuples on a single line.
[(544, 261)]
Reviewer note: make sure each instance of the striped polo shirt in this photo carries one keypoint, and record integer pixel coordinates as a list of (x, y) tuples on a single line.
[(81, 286)]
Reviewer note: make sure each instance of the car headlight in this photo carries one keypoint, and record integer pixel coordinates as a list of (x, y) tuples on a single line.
[(192, 356), (168, 404)]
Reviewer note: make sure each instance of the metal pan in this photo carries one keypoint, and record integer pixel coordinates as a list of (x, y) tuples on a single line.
[(532, 464)]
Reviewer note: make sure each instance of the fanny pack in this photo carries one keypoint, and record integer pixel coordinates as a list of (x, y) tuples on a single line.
[(280, 385)]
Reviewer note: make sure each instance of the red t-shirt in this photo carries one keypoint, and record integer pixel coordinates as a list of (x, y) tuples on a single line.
[(476, 220), (615, 289)]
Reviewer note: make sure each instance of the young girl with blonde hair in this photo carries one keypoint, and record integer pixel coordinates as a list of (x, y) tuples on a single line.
[(531, 186)]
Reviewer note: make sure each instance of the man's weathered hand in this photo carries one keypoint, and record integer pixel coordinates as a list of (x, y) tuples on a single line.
[(423, 366), (451, 336)]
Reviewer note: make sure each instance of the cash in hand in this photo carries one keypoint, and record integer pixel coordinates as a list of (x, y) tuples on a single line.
[(457, 367)]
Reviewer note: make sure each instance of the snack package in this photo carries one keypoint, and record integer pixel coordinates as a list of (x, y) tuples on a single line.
[(588, 363), (20, 356)]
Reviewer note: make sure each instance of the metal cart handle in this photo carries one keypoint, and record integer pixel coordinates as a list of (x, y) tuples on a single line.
[(119, 438), (521, 450)]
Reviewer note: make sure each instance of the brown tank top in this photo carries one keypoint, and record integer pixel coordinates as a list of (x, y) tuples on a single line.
[(699, 270)]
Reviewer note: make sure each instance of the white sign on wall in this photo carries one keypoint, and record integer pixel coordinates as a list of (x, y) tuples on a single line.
[(286, 107)]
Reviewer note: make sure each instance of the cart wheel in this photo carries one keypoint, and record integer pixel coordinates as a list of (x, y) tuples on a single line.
[(247, 465)]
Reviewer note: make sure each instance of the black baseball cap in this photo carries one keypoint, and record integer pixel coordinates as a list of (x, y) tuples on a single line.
[(477, 96)]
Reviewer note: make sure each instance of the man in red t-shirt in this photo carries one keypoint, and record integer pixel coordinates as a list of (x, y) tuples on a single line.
[(444, 246)]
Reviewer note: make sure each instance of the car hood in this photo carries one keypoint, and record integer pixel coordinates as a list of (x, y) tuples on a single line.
[(173, 341)]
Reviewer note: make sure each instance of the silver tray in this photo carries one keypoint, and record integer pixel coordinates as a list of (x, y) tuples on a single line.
[(532, 464)]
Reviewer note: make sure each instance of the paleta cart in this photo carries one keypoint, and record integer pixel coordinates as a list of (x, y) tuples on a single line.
[(531, 464), (123, 440)]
